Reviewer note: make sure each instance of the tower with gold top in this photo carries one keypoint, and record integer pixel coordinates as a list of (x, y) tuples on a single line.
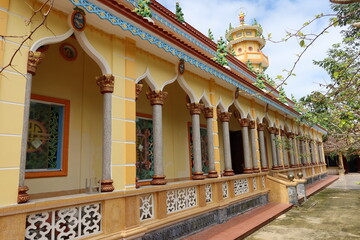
[(247, 42)]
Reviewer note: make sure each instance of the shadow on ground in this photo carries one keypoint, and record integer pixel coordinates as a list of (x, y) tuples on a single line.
[(330, 214)]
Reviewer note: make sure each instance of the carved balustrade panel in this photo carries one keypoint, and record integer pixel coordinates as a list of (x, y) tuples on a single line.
[(66, 223)]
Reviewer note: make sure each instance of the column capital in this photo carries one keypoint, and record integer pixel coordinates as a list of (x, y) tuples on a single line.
[(139, 87), (282, 132), (156, 97), (106, 83), (34, 59), (290, 135), (261, 126), (244, 122), (225, 116), (273, 130), (195, 108), (209, 112), (252, 124)]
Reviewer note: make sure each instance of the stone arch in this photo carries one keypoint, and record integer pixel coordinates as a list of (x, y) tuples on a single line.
[(222, 106), (239, 108), (183, 84), (206, 100), (83, 42), (148, 78)]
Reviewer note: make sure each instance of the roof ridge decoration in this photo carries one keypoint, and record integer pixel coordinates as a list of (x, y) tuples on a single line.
[(177, 30), (126, 26)]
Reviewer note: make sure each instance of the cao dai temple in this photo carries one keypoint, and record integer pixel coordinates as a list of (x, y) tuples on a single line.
[(118, 126)]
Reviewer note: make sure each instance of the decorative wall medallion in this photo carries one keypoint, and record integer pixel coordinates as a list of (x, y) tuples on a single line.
[(181, 66), (78, 20), (237, 93), (68, 51)]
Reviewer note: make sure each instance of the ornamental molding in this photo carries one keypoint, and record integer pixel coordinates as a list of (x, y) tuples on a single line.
[(106, 83), (195, 108), (261, 126), (156, 97), (138, 90), (209, 112), (244, 122), (225, 116), (34, 59)]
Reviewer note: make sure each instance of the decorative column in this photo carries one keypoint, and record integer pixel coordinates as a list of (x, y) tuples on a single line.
[(106, 84), (284, 149), (253, 146), (278, 150), (225, 118), (209, 114), (273, 131), (264, 165), (290, 136), (304, 152), (157, 101), (34, 59), (298, 145), (195, 110), (321, 153), (244, 123), (313, 152)]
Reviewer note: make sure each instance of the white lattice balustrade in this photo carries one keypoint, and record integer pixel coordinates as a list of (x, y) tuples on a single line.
[(208, 193), (66, 223), (225, 190), (241, 186), (146, 207), (181, 199)]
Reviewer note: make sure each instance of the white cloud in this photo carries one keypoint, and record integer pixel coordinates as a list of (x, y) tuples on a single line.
[(275, 16)]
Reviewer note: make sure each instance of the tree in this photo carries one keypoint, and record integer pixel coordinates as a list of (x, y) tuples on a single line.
[(337, 106), (179, 14), (221, 52), (210, 35)]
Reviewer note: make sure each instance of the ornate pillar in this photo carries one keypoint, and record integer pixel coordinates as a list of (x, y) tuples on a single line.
[(303, 151), (195, 110), (321, 153), (273, 131), (284, 149), (209, 114), (313, 152), (225, 118), (278, 150), (292, 150), (157, 101), (298, 145), (264, 165), (106, 84), (253, 146), (244, 123), (34, 59)]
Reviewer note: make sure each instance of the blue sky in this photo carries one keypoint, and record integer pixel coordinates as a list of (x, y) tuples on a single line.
[(275, 16)]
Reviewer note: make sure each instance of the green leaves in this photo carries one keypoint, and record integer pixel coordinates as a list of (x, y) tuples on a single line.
[(302, 43)]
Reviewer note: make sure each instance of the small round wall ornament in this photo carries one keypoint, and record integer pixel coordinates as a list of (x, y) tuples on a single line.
[(181, 66), (68, 51), (78, 19), (237, 92)]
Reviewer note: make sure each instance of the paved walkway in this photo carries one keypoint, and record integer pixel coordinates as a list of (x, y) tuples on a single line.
[(245, 224), (331, 214), (349, 181)]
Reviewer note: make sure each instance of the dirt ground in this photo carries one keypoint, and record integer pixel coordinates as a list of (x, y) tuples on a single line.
[(333, 213)]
